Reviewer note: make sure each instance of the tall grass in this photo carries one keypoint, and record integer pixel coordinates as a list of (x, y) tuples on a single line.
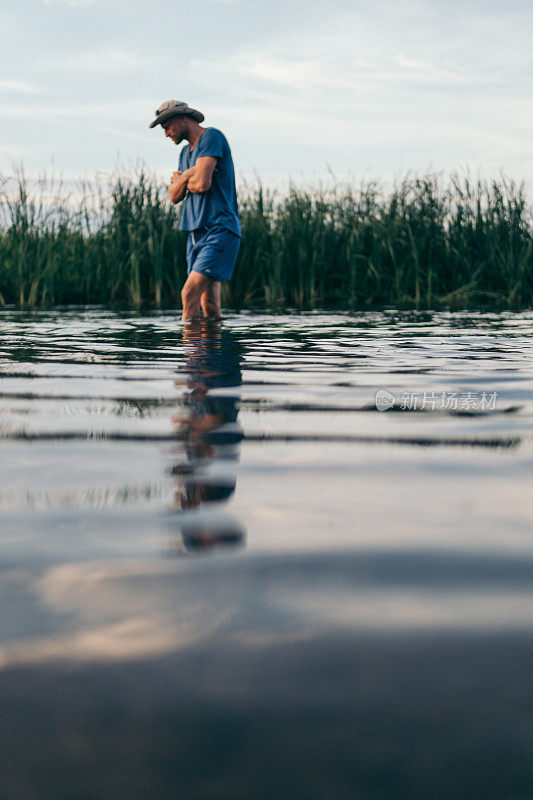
[(424, 243)]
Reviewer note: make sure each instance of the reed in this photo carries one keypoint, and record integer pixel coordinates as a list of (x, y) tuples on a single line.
[(424, 243)]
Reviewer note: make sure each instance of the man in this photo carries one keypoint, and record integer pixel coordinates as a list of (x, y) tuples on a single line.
[(206, 179)]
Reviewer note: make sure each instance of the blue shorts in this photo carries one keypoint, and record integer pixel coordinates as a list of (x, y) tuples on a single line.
[(213, 252)]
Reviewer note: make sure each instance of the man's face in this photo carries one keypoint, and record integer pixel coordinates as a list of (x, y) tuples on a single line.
[(175, 129)]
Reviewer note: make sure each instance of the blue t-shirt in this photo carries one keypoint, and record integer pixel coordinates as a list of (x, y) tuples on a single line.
[(219, 204)]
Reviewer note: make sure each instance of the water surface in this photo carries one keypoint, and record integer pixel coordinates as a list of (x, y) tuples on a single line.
[(225, 573)]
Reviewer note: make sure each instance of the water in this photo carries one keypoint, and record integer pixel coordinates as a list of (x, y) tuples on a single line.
[(224, 573)]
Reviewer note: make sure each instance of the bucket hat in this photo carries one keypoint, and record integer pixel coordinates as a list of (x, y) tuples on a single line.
[(175, 108)]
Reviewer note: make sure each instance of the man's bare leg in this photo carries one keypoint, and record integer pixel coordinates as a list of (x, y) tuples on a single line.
[(210, 299), (193, 289)]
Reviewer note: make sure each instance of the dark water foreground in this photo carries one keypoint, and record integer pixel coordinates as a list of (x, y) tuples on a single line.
[(224, 573)]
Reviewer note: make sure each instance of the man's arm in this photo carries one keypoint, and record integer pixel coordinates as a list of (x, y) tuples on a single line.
[(178, 185), (196, 179), (202, 175)]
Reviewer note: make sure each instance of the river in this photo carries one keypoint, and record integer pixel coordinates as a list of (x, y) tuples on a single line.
[(283, 557)]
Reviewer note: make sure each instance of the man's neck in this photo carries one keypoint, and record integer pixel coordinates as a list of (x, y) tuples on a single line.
[(194, 134)]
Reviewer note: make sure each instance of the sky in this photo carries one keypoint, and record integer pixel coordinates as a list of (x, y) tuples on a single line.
[(302, 90)]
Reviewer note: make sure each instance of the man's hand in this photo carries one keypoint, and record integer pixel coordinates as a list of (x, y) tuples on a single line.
[(196, 179), (178, 185)]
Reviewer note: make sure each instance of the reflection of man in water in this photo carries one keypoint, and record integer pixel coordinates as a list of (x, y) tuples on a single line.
[(210, 431)]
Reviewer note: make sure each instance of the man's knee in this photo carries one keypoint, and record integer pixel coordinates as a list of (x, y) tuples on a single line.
[(211, 302), (190, 293)]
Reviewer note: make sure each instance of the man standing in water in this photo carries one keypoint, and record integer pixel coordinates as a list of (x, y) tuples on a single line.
[(206, 179)]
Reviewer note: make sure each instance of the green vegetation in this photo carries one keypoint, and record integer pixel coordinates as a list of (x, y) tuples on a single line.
[(422, 244)]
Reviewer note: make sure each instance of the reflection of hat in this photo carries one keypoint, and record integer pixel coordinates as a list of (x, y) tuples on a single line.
[(175, 108)]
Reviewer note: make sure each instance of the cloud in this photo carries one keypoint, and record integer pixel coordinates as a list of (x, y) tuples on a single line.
[(353, 74), (134, 110), (18, 86), (13, 151), (409, 47), (71, 3), (110, 59)]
